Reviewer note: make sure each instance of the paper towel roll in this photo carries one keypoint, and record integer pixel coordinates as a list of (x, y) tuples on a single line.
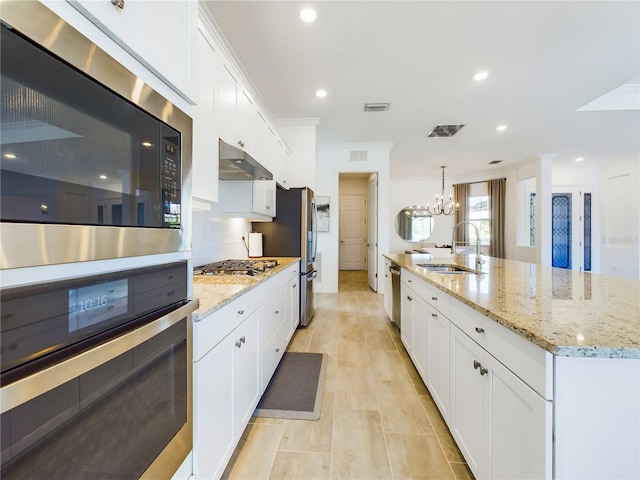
[(255, 245)]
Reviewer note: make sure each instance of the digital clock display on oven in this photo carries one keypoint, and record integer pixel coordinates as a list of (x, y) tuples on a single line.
[(97, 303)]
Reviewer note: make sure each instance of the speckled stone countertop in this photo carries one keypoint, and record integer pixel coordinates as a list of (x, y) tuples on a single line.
[(566, 312), (216, 291)]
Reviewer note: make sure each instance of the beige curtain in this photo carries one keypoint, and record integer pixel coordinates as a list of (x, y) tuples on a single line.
[(461, 196), (497, 192)]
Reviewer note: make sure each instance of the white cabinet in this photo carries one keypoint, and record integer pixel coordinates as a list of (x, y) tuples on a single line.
[(255, 200), (439, 360), (246, 370), (160, 35), (281, 313), (292, 300), (413, 329), (205, 146), (236, 350), (213, 428), (387, 289), (235, 113), (226, 393), (501, 425)]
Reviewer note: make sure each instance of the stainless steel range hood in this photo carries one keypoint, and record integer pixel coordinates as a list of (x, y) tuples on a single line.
[(236, 164)]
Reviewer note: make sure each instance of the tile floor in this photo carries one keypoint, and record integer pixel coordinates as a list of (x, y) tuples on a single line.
[(378, 420)]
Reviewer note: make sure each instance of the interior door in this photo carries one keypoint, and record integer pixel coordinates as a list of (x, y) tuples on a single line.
[(372, 233), (353, 231)]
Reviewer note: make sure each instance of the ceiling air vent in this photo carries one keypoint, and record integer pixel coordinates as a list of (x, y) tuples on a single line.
[(445, 130), (358, 155), (376, 107)]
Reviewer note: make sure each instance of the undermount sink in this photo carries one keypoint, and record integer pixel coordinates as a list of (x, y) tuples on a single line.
[(439, 268)]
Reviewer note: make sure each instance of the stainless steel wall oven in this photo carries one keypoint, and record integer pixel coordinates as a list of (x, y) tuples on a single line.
[(93, 159), (96, 376)]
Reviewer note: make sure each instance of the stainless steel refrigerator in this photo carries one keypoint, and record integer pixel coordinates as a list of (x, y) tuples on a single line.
[(293, 233)]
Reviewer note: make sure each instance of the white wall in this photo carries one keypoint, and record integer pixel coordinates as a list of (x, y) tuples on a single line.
[(331, 161)]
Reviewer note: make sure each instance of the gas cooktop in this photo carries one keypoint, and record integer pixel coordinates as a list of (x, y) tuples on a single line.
[(236, 267)]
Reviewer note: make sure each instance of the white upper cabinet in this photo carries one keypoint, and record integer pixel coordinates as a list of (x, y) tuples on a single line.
[(160, 35), (205, 146), (227, 104)]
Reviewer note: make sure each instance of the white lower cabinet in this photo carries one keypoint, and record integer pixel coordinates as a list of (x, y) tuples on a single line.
[(501, 420), (292, 300), (413, 329), (501, 425), (236, 351), (438, 360), (226, 393)]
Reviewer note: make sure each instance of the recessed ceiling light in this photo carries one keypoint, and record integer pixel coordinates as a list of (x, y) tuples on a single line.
[(10, 156), (308, 15), (321, 93), (480, 76), (103, 176), (579, 159), (501, 128), (147, 144)]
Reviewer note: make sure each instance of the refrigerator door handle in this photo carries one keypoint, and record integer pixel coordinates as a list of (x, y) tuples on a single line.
[(311, 276), (314, 228)]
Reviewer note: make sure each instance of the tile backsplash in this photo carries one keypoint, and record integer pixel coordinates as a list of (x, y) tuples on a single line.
[(216, 239)]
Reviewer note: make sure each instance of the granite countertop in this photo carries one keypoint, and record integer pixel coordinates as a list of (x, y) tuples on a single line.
[(216, 291), (565, 312)]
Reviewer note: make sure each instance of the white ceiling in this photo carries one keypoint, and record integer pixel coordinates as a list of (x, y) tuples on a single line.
[(546, 60)]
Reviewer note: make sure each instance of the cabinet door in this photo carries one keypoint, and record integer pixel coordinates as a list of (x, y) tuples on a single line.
[(467, 408), (226, 105), (387, 289), (438, 360), (519, 425), (205, 145), (213, 425), (162, 36), (246, 123), (293, 302), (264, 197), (406, 317), (247, 389), (420, 334)]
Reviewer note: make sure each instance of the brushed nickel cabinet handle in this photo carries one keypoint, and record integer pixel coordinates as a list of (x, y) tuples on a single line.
[(118, 3), (479, 330)]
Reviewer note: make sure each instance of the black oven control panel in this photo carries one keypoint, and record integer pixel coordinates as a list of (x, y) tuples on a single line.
[(41, 320), (171, 184)]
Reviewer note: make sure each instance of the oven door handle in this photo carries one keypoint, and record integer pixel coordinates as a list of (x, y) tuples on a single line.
[(41, 382)]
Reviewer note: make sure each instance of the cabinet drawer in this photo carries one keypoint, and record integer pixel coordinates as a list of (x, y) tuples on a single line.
[(272, 314), (212, 329), (272, 353), (438, 299), (415, 283), (531, 363)]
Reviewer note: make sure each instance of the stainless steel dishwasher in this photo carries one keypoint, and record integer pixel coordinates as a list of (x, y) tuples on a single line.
[(395, 294)]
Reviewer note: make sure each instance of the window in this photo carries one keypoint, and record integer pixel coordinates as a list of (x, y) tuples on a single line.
[(479, 214)]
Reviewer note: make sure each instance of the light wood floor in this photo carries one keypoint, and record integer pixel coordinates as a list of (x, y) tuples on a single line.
[(378, 420)]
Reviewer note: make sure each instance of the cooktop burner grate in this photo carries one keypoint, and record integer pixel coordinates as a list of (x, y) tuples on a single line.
[(236, 267)]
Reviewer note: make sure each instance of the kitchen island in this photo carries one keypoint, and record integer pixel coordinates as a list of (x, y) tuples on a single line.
[(536, 370)]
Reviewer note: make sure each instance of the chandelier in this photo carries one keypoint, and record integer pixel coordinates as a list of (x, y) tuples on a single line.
[(440, 207)]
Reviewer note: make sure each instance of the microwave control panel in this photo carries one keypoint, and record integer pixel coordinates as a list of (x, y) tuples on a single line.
[(171, 185)]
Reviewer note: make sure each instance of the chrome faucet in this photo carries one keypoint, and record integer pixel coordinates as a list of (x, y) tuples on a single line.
[(479, 260)]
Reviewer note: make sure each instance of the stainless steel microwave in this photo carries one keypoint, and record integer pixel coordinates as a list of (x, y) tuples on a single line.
[(93, 160)]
